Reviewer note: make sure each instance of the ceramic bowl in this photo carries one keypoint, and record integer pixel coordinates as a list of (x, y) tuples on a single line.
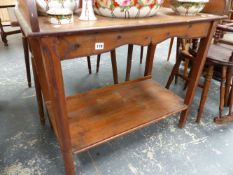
[(60, 16), (188, 7), (44, 5), (127, 8)]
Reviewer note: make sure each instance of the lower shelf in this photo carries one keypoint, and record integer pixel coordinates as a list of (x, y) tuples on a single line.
[(100, 115)]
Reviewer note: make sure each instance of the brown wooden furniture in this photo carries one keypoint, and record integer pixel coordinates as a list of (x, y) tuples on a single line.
[(91, 118), (218, 66), (218, 7), (220, 55), (129, 61), (6, 19)]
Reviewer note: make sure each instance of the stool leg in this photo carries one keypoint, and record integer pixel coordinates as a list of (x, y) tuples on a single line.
[(114, 66), (98, 63), (38, 94), (129, 61), (27, 60), (222, 90), (205, 92), (141, 54), (228, 85), (230, 100), (89, 64), (3, 34), (170, 49), (174, 72)]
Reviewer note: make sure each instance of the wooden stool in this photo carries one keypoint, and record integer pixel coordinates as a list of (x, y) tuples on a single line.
[(222, 57)]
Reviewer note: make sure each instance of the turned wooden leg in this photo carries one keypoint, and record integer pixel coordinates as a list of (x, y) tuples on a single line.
[(38, 94), (228, 85), (27, 60), (229, 117), (170, 49), (98, 63), (205, 92), (89, 64), (129, 62), (220, 119), (141, 54), (174, 72), (222, 90), (114, 66), (231, 101), (3, 34)]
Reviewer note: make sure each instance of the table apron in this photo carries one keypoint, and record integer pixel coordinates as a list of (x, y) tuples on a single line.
[(78, 45)]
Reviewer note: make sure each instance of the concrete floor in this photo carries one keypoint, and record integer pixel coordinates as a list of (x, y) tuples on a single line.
[(27, 148)]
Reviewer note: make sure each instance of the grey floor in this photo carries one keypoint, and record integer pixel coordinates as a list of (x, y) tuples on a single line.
[(27, 148)]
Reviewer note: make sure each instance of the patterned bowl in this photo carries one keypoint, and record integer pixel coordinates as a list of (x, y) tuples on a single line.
[(188, 7), (127, 8)]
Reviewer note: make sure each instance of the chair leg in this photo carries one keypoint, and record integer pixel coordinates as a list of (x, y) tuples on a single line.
[(89, 64), (174, 72), (205, 92), (141, 54), (222, 90), (114, 66), (98, 63), (170, 49), (3, 34), (27, 60), (38, 94), (129, 62)]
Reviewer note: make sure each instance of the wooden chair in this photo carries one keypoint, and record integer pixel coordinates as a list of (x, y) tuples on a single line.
[(6, 16), (129, 60), (219, 57)]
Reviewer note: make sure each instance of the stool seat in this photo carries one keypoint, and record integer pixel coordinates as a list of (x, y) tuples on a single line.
[(217, 54), (220, 54)]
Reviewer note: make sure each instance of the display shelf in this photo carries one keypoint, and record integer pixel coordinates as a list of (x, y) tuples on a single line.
[(103, 114)]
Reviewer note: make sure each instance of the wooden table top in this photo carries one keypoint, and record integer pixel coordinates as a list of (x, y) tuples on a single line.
[(164, 17)]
